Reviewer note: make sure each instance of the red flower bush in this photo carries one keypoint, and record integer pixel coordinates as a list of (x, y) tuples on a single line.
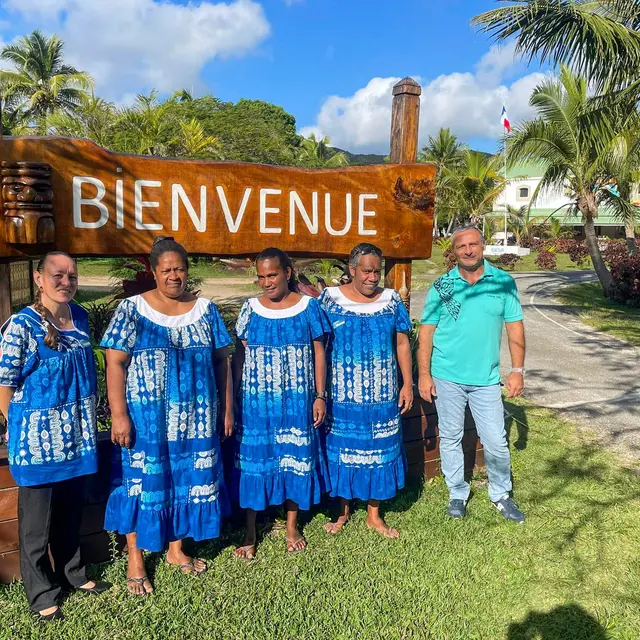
[(578, 252), (509, 260), (546, 260), (625, 280)]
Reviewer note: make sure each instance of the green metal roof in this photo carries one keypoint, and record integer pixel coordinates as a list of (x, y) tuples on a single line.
[(605, 215), (525, 170)]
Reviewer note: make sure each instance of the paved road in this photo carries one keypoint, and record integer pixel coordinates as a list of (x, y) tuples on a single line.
[(589, 377)]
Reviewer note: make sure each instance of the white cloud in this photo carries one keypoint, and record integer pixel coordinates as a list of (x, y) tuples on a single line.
[(468, 103), (130, 44), (290, 3)]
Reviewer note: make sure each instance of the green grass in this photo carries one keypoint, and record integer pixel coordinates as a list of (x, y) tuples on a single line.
[(571, 572), (602, 314)]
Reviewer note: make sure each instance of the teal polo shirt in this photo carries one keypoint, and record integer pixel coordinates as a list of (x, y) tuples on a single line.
[(469, 319)]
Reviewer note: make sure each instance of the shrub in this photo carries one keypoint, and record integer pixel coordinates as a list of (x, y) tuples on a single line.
[(563, 245), (509, 260), (578, 252), (614, 251), (625, 280), (546, 260)]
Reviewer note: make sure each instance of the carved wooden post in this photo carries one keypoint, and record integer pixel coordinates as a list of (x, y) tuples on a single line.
[(5, 273), (405, 118)]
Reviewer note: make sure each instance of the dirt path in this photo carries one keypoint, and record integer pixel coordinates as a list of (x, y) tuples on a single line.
[(220, 289)]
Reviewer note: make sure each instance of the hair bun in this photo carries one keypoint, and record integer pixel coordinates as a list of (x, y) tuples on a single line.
[(160, 239)]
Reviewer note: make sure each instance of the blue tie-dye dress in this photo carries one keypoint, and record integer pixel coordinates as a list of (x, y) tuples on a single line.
[(278, 452), (365, 452), (169, 485)]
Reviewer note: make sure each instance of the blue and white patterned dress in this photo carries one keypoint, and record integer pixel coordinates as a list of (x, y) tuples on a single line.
[(169, 485), (364, 446), (52, 415), (278, 454)]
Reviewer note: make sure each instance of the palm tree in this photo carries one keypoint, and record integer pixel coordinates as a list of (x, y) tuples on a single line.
[(576, 156), (195, 143), (446, 152), (40, 78), (521, 224), (475, 185), (316, 153), (143, 128), (598, 39), (93, 120)]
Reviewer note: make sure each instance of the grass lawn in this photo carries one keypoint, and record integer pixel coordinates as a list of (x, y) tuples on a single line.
[(571, 572), (602, 314)]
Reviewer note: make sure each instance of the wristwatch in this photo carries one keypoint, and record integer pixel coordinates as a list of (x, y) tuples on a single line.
[(517, 370), (321, 395)]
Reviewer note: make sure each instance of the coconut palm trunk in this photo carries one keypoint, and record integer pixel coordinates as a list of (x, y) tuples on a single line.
[(589, 209), (630, 236)]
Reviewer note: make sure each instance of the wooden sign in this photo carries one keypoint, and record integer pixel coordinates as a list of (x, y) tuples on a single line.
[(82, 199)]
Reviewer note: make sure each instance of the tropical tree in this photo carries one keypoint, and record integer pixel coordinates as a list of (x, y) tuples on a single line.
[(521, 224), (94, 120), (447, 153), (143, 128), (314, 153), (13, 119), (575, 155), (40, 79), (597, 39), (195, 143), (474, 186)]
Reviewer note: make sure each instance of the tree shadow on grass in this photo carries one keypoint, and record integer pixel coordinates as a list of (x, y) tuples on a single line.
[(567, 622)]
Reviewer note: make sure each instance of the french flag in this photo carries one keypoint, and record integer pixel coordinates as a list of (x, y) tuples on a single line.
[(505, 119)]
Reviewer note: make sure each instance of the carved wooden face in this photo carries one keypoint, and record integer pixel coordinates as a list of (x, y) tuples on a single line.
[(28, 190)]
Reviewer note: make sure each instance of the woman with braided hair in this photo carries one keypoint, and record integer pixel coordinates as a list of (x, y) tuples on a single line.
[(48, 395)]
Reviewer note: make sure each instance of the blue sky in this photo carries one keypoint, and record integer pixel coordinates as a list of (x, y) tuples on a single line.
[(331, 63)]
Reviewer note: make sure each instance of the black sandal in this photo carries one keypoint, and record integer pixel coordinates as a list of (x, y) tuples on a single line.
[(100, 587), (50, 617)]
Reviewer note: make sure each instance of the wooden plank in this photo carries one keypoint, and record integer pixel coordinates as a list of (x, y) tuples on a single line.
[(421, 451), (8, 504), (8, 535), (6, 479), (248, 206), (9, 567), (419, 427), (5, 290), (420, 407)]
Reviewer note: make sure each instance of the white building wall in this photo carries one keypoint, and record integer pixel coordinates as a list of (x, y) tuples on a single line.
[(546, 200)]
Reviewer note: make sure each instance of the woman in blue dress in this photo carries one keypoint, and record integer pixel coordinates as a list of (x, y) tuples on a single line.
[(48, 395), (167, 366), (364, 446), (279, 370)]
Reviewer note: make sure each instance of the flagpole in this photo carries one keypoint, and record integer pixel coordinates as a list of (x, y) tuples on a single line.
[(505, 191)]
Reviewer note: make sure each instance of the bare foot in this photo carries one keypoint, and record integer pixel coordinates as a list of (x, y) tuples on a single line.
[(295, 541), (336, 527), (187, 564), (138, 583), (381, 527)]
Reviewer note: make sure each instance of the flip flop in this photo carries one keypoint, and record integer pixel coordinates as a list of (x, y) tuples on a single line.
[(192, 568), (247, 549), (291, 543), (333, 528), (385, 533), (140, 581)]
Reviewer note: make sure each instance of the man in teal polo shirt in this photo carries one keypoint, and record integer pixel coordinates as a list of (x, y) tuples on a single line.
[(459, 363)]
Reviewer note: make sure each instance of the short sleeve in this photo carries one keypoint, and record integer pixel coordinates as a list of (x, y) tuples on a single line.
[(432, 307), (221, 337), (318, 321), (242, 323), (512, 306), (121, 332), (402, 319), (17, 347)]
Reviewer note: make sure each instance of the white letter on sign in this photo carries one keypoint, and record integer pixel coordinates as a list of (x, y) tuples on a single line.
[(362, 214), (264, 210), (296, 202), (78, 201), (232, 224), (347, 216), (177, 194), (139, 204)]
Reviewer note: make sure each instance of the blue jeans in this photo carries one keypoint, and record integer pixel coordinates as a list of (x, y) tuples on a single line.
[(488, 412)]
